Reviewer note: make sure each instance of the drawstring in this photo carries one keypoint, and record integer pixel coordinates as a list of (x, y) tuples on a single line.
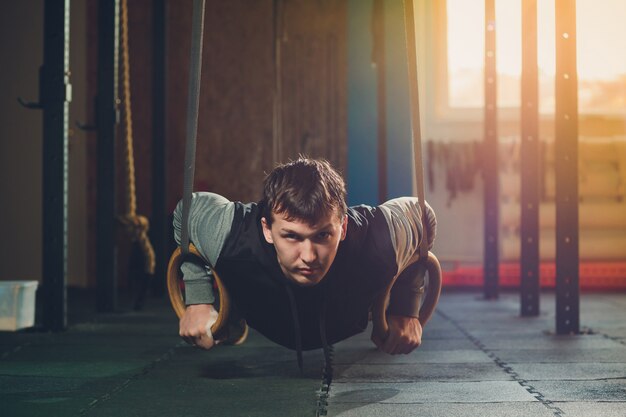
[(296, 326), (327, 372), (328, 349)]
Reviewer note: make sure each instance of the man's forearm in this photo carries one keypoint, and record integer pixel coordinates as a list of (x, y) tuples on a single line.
[(406, 294)]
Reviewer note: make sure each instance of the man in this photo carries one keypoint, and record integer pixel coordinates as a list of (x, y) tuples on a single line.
[(301, 267)]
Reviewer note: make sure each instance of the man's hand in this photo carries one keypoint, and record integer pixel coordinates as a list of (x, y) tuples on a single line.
[(195, 325), (405, 334)]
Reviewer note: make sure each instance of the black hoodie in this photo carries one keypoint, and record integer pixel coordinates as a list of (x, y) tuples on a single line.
[(302, 317)]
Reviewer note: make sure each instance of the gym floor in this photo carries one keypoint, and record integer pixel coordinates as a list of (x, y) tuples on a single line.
[(478, 358)]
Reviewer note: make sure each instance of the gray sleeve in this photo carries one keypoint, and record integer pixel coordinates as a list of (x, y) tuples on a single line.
[(404, 218), (210, 220)]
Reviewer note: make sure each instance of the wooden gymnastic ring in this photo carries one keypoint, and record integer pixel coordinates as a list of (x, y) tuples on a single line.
[(431, 298), (230, 333)]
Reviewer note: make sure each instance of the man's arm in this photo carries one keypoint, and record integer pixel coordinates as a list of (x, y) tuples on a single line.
[(210, 219), (404, 218), (405, 329)]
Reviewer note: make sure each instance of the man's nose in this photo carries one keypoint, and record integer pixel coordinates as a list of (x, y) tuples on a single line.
[(307, 252)]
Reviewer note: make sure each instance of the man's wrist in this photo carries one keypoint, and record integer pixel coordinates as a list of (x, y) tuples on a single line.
[(200, 305)]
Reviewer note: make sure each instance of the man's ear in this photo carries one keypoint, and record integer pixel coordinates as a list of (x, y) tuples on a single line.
[(344, 227), (267, 232)]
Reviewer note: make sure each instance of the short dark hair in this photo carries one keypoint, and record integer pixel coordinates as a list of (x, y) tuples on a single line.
[(304, 189)]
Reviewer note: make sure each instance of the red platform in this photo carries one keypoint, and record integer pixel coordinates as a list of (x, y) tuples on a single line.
[(593, 275)]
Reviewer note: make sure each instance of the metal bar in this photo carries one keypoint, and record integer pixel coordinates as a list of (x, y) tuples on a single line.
[(277, 116), (566, 170), (490, 158), (159, 222), (107, 100), (530, 169), (378, 52), (55, 96)]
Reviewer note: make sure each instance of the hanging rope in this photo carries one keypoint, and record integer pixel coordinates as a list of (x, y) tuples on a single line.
[(136, 225)]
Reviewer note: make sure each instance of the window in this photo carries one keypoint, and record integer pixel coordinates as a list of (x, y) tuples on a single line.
[(601, 54)]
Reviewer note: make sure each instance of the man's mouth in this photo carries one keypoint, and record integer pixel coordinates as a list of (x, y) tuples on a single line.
[(307, 271)]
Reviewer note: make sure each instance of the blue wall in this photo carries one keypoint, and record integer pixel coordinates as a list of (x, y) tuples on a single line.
[(362, 174), (399, 143)]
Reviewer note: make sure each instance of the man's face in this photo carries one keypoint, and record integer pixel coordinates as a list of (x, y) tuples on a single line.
[(305, 252)]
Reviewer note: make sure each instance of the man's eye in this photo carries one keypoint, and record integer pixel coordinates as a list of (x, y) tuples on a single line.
[(290, 236), (324, 235)]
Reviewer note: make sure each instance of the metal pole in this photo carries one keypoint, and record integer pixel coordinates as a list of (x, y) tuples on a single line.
[(566, 170), (490, 158), (107, 101), (159, 227), (530, 168), (55, 97), (278, 10)]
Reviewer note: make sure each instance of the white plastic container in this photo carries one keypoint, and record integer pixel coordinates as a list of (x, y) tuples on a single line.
[(17, 304)]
